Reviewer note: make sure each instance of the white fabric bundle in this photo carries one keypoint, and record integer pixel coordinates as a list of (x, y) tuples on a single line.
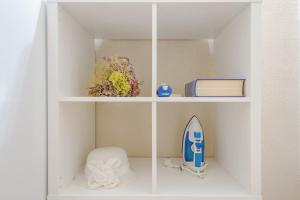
[(105, 167)]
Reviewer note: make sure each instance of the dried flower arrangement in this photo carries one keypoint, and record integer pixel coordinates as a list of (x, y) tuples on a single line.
[(114, 76)]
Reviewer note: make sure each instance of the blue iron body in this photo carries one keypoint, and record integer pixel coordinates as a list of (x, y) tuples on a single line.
[(193, 145)]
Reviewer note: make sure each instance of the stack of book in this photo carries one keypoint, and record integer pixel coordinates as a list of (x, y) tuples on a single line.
[(215, 88)]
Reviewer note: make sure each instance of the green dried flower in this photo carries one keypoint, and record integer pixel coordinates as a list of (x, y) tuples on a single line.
[(120, 83)]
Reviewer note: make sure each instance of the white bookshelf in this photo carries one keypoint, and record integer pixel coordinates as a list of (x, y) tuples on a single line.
[(173, 42)]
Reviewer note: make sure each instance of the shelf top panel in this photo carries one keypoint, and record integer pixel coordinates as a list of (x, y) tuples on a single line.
[(156, 99), (111, 20), (195, 20), (117, 19)]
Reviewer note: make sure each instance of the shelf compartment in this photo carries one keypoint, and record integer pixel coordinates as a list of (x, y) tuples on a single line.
[(139, 185), (85, 126), (217, 182), (203, 46), (227, 136), (87, 32)]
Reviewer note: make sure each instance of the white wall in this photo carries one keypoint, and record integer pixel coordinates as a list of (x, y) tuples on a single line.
[(22, 100), (280, 106)]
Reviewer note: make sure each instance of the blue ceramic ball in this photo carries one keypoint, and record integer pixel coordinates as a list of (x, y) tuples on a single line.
[(164, 90)]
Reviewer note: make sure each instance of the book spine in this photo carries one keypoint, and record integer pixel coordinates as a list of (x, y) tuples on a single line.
[(243, 88), (190, 89)]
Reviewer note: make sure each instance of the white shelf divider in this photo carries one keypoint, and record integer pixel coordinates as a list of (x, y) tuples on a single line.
[(154, 106)]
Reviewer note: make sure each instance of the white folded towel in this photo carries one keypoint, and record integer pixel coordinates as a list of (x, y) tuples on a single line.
[(105, 166)]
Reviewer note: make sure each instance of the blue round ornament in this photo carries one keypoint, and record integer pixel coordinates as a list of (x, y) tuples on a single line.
[(164, 90)]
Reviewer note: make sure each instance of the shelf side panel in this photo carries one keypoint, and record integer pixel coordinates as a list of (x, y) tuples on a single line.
[(76, 138), (232, 50), (53, 110), (256, 94), (76, 56), (232, 140)]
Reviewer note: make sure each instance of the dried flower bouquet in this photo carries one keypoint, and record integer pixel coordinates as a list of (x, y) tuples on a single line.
[(114, 76)]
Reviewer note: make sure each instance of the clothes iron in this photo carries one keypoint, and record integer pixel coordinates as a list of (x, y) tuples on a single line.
[(192, 150), (193, 147)]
